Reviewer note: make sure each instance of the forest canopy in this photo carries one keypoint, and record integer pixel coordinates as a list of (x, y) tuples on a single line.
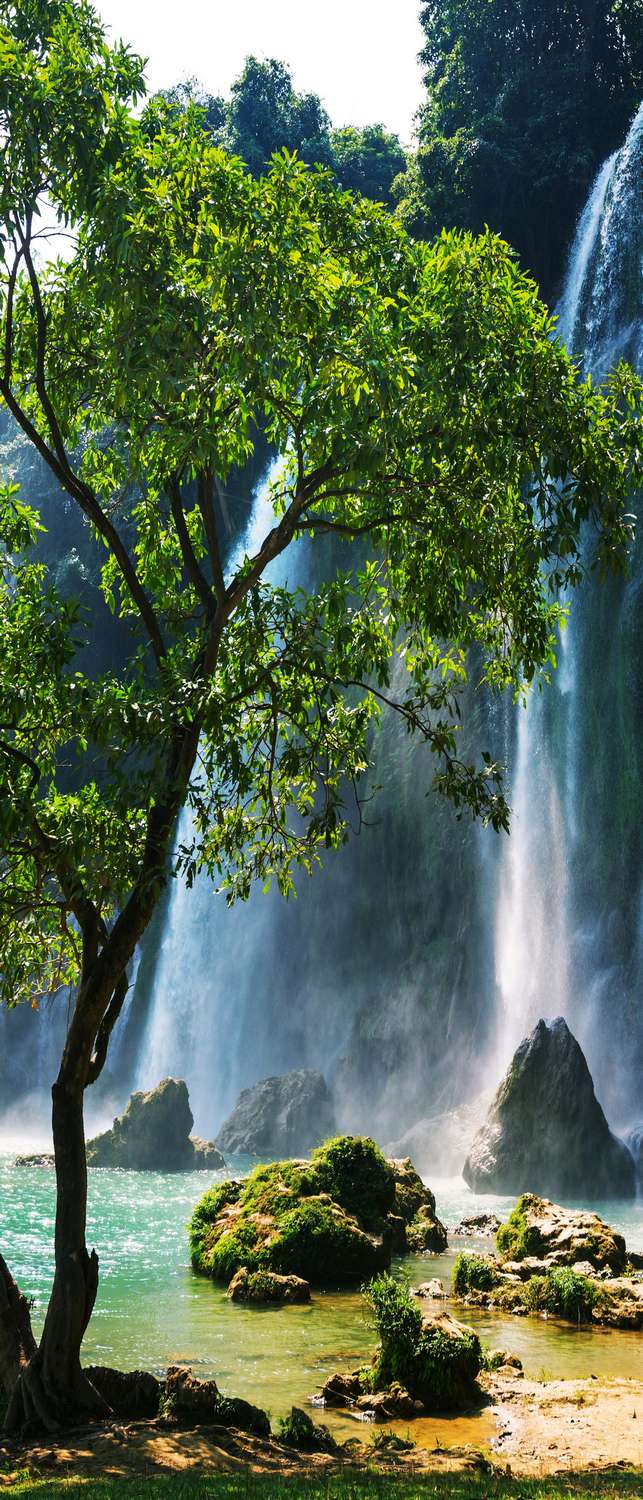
[(525, 99)]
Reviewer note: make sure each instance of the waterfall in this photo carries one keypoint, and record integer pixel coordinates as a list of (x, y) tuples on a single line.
[(566, 941)]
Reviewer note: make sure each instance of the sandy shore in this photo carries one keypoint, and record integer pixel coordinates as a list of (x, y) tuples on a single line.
[(538, 1429)]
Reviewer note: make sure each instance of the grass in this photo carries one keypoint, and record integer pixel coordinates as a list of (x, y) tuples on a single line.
[(616, 1485)]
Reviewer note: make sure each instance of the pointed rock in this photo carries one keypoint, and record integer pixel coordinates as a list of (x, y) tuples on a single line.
[(546, 1132)]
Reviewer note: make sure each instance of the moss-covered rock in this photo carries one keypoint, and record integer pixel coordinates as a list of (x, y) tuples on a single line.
[(266, 1287), (337, 1217), (324, 1219), (414, 1221), (298, 1430), (539, 1230)]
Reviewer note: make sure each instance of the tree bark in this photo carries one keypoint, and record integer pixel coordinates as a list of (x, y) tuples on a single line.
[(51, 1390)]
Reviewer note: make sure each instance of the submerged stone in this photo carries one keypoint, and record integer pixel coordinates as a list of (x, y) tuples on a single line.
[(282, 1116), (153, 1134), (546, 1132)]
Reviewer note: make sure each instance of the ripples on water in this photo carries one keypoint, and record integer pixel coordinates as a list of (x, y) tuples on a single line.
[(152, 1311)]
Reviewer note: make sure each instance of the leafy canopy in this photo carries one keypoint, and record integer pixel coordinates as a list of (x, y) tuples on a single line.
[(429, 424)]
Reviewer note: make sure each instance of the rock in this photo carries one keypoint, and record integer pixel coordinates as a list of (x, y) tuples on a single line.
[(132, 1394), (324, 1220), (189, 1399), (393, 1404), (440, 1142), (546, 1131), (193, 1402), (153, 1134), (205, 1156), (341, 1390), (263, 1287), (38, 1159), (283, 1116), (449, 1363), (414, 1222), (300, 1432), (434, 1288), (479, 1226), (543, 1235)]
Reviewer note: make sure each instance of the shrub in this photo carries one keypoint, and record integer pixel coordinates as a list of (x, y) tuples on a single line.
[(436, 1366), (562, 1291), (206, 1211), (472, 1273)]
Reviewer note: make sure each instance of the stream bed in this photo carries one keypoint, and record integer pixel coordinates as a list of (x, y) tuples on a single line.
[(153, 1311)]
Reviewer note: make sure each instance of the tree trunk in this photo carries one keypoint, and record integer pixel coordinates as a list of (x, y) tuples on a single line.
[(51, 1389), (17, 1343)]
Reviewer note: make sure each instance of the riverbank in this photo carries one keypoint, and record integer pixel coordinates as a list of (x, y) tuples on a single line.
[(571, 1431)]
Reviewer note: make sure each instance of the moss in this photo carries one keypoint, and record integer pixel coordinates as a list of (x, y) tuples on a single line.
[(426, 1233), (517, 1239), (317, 1242), (353, 1170), (207, 1210), (435, 1366), (472, 1273)]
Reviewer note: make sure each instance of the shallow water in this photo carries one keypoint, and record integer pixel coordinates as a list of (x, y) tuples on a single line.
[(152, 1310)]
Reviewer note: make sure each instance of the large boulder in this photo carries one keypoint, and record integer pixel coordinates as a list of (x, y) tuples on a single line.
[(283, 1116), (326, 1220), (546, 1132), (339, 1216), (153, 1134)]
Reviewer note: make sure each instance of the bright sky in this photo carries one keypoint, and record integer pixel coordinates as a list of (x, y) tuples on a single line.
[(360, 56)]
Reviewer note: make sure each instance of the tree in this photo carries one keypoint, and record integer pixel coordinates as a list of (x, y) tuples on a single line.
[(367, 161), (524, 102), (265, 114), (430, 424)]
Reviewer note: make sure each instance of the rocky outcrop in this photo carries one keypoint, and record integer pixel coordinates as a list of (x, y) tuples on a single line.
[(478, 1227), (339, 1216), (298, 1431), (414, 1222), (546, 1131), (558, 1261), (283, 1116), (543, 1234), (153, 1134), (324, 1219), (266, 1287), (440, 1357), (192, 1402)]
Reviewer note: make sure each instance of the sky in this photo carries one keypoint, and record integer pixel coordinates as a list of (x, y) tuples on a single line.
[(360, 56)]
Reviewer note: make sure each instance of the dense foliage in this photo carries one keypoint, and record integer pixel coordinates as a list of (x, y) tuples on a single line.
[(524, 101), (265, 114)]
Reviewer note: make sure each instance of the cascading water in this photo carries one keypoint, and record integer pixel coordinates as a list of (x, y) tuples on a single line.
[(567, 930)]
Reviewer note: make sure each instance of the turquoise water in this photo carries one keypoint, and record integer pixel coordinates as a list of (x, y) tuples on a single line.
[(152, 1310)]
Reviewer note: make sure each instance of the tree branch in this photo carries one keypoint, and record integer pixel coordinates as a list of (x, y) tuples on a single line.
[(192, 568)]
